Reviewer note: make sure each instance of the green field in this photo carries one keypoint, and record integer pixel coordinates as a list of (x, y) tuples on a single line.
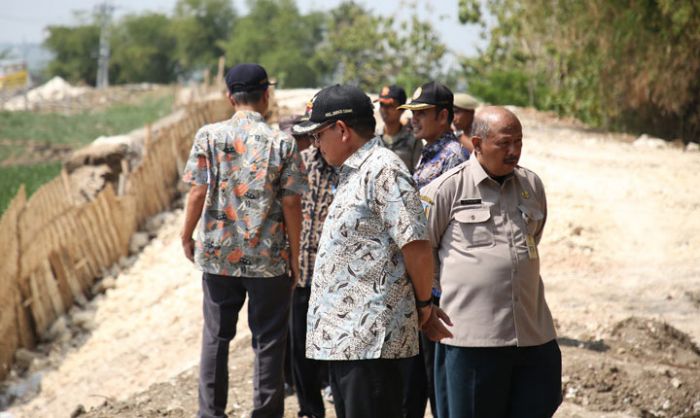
[(20, 129), (32, 176)]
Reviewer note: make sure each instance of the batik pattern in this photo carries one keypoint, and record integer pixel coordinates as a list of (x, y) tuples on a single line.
[(362, 303), (438, 157), (315, 202), (248, 167)]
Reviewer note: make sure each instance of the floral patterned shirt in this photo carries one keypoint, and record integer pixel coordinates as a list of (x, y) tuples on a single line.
[(315, 202), (438, 157), (362, 304), (248, 167)]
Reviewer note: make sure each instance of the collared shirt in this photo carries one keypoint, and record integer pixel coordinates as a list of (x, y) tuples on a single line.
[(362, 303), (405, 145), (486, 235), (438, 157), (315, 202), (248, 167)]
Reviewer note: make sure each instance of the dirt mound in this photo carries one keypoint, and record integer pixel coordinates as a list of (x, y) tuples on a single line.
[(174, 399), (655, 340), (177, 397), (55, 90), (649, 369)]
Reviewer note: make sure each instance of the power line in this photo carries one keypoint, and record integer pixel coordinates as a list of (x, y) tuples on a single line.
[(104, 15)]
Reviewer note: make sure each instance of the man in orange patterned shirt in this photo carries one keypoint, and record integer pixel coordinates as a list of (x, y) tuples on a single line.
[(246, 182)]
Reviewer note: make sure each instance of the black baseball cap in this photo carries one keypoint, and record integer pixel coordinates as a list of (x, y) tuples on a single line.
[(432, 94), (247, 77), (392, 94), (338, 102)]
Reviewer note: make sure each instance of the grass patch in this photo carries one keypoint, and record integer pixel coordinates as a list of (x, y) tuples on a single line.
[(20, 129), (80, 129), (33, 176)]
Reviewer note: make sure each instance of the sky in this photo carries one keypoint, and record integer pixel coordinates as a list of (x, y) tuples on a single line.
[(23, 21)]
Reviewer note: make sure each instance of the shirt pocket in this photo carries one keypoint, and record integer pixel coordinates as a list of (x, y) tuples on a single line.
[(531, 217), (476, 226)]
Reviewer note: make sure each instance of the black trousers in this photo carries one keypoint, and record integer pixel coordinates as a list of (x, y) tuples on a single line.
[(418, 381), (419, 384), (268, 314), (307, 372), (367, 388), (498, 382)]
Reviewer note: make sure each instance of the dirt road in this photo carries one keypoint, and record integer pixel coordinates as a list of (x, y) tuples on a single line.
[(620, 260)]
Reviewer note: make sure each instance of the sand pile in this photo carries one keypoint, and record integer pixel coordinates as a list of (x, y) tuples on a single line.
[(54, 90)]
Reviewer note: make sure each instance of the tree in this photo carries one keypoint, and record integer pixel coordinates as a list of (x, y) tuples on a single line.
[(143, 50), (627, 64), (417, 53), (369, 51), (355, 48), (75, 52), (278, 37), (201, 28)]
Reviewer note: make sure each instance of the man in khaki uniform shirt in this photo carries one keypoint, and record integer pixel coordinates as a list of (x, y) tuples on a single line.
[(485, 219)]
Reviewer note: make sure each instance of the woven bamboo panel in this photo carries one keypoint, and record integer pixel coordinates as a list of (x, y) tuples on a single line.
[(11, 336), (54, 249)]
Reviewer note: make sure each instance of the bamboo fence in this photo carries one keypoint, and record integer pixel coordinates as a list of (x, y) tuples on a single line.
[(53, 248)]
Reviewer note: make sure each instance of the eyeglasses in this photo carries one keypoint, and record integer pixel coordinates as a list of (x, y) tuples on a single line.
[(317, 135)]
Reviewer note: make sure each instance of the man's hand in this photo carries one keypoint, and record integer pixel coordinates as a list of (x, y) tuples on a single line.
[(193, 210), (291, 211), (424, 314), (434, 327), (188, 248)]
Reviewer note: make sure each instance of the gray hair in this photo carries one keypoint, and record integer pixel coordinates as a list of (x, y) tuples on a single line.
[(480, 127)]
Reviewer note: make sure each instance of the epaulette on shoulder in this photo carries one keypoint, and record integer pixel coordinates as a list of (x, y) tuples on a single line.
[(451, 173)]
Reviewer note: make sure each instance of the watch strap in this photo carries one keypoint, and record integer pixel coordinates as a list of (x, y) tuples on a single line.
[(424, 303)]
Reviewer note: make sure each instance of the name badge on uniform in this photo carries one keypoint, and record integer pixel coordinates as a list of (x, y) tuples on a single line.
[(531, 247)]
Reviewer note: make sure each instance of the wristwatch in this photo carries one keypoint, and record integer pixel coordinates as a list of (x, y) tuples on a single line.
[(424, 303)]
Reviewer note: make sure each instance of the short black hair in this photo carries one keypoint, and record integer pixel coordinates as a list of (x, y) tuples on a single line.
[(248, 97), (364, 127), (450, 113)]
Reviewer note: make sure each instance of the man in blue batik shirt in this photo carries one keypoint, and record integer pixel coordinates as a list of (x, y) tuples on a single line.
[(432, 107), (433, 112)]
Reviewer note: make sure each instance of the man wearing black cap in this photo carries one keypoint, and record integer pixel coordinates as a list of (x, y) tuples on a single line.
[(397, 137), (246, 183), (432, 116), (432, 107), (374, 269)]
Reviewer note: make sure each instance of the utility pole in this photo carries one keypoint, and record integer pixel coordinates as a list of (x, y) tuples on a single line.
[(104, 14)]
